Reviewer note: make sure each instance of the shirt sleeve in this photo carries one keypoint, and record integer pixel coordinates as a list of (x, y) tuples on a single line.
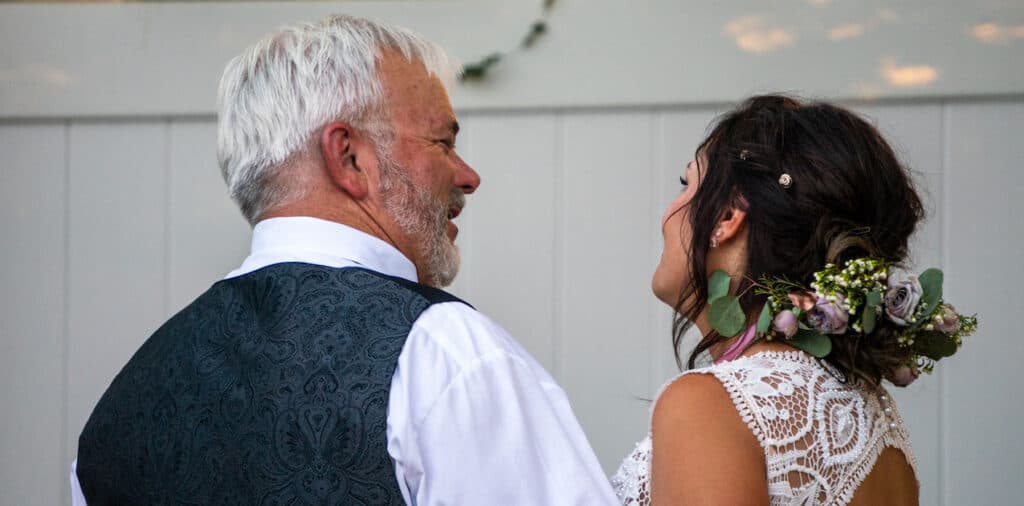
[(77, 498), (473, 419)]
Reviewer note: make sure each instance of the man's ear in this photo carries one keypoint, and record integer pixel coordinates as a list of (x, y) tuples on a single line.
[(337, 146)]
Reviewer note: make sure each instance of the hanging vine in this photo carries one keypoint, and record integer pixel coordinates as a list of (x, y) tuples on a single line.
[(478, 70)]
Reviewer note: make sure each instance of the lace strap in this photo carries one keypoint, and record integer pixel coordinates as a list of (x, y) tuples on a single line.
[(732, 387)]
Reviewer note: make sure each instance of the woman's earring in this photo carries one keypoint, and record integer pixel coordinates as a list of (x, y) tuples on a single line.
[(715, 238)]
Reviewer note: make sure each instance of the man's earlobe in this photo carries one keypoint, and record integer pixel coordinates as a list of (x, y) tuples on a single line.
[(337, 149)]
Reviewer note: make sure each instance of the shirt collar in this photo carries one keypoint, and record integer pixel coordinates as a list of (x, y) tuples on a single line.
[(321, 242)]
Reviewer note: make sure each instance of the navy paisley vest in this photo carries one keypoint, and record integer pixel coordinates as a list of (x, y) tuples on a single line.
[(270, 389)]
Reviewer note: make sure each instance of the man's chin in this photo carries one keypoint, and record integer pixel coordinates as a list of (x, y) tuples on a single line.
[(438, 258)]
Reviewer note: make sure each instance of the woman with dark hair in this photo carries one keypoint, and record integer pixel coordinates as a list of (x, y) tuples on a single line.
[(785, 248)]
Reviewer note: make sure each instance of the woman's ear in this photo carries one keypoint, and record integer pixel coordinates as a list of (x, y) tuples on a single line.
[(730, 224), (337, 147)]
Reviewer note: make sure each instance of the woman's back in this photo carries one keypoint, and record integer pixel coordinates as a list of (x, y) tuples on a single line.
[(824, 442), (891, 482)]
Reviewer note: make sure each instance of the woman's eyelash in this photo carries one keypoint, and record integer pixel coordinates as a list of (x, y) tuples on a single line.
[(682, 181)]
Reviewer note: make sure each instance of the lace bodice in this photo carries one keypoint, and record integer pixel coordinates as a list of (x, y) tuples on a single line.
[(820, 437)]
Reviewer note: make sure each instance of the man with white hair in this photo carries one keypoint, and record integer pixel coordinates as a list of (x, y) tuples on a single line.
[(329, 368)]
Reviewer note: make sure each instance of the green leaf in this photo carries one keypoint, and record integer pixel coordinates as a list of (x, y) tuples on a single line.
[(479, 69), (934, 345), (812, 342), (931, 287), (931, 282), (536, 30), (764, 320), (867, 321), (726, 316), (874, 298), (718, 285)]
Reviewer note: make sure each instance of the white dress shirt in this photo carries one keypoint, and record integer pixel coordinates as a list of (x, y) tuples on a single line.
[(472, 418)]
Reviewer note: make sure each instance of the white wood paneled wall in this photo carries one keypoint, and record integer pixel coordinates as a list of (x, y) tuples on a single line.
[(108, 227)]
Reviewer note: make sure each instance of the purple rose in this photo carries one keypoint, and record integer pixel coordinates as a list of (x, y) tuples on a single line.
[(902, 376), (902, 297), (947, 321), (785, 323), (828, 317)]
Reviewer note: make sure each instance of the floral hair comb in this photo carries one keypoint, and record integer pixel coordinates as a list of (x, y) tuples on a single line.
[(850, 301)]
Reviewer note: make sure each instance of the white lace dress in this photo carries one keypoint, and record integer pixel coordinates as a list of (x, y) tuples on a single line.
[(820, 437)]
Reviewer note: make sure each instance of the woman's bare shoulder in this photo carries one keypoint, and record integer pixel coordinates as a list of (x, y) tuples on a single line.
[(702, 451)]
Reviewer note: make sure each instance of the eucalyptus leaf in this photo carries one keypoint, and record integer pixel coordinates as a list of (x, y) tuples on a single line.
[(764, 320), (478, 70), (931, 288), (726, 316), (718, 285), (812, 342), (867, 321), (874, 298), (537, 29), (934, 345)]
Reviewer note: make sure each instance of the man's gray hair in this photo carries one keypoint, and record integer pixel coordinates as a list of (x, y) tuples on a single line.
[(276, 94)]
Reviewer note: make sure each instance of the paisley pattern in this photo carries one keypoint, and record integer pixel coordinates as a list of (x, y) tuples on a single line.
[(269, 389)]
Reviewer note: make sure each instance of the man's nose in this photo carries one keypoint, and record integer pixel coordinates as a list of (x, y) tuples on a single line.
[(466, 178)]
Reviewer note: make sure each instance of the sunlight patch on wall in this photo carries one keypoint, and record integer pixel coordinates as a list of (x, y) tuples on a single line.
[(992, 33), (908, 76), (843, 32), (887, 15), (752, 36), (37, 73)]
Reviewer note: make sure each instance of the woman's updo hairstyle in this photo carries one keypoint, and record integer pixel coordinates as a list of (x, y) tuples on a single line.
[(849, 197)]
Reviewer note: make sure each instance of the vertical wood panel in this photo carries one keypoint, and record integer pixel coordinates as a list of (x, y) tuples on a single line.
[(983, 238), (511, 271), (32, 344), (605, 272), (117, 249), (207, 236), (915, 132)]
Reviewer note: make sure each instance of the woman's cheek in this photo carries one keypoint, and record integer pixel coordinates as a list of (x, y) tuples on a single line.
[(673, 208)]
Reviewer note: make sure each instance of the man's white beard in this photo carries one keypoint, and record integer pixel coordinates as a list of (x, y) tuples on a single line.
[(422, 217)]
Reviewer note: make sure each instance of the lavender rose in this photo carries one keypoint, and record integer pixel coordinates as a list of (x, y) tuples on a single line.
[(828, 317), (785, 323), (902, 297), (902, 376), (947, 320)]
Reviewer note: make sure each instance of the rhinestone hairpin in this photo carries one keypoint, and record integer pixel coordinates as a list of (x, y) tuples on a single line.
[(786, 180)]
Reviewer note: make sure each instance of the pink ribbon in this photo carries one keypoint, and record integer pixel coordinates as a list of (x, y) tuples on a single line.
[(739, 345)]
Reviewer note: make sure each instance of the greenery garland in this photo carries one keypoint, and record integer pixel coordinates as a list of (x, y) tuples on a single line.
[(478, 70)]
